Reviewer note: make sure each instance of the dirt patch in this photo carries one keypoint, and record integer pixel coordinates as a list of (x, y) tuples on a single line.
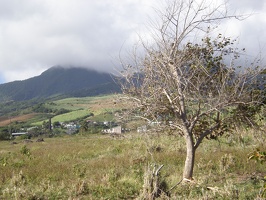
[(4, 121)]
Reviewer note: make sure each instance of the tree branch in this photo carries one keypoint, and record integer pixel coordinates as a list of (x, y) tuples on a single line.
[(204, 134)]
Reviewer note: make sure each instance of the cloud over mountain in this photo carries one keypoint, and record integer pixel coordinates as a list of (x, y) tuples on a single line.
[(35, 35)]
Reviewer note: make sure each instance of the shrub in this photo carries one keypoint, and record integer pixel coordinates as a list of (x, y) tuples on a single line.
[(25, 151), (4, 135)]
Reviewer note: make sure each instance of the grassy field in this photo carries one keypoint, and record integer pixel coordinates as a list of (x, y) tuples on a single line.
[(96, 104), (73, 115), (66, 117), (101, 167), (100, 107), (78, 108), (96, 166), (4, 121)]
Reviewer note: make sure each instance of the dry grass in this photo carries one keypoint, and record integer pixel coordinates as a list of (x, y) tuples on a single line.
[(99, 167), (5, 121)]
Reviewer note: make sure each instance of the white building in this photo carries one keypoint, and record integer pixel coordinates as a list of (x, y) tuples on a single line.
[(117, 129)]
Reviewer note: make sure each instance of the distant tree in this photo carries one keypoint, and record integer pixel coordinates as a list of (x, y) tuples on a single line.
[(4, 134), (56, 124), (47, 126), (84, 126), (189, 80), (42, 109), (61, 111), (35, 132)]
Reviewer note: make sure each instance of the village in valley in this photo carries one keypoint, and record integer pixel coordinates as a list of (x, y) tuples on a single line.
[(86, 122), (70, 128)]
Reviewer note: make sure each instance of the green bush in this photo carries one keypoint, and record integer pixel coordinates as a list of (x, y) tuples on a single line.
[(25, 151), (4, 134), (25, 137)]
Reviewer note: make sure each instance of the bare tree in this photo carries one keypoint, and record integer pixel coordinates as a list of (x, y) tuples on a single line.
[(189, 80)]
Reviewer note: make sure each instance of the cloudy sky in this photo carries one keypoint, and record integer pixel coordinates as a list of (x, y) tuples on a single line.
[(38, 34)]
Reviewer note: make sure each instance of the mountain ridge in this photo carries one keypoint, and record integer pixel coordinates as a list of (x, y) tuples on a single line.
[(56, 81)]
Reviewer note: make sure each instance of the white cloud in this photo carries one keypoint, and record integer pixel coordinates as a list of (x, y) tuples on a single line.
[(250, 32), (39, 35), (35, 35)]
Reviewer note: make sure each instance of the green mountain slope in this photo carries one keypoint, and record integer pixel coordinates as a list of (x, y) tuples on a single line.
[(59, 81)]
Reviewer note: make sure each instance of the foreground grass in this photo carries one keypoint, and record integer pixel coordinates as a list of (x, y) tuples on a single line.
[(101, 167)]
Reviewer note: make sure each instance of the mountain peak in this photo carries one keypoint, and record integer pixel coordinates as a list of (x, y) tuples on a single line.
[(60, 80)]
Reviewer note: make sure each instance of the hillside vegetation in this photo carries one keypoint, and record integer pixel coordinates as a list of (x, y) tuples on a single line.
[(63, 110), (58, 82)]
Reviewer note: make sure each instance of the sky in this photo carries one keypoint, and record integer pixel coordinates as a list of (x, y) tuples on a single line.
[(38, 34)]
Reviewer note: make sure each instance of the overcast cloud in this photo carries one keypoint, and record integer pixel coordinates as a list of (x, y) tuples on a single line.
[(36, 35)]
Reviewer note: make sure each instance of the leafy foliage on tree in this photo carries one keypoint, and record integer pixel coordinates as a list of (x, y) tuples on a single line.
[(259, 156), (84, 126)]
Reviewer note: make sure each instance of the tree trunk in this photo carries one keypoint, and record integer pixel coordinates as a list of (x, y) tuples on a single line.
[(190, 158)]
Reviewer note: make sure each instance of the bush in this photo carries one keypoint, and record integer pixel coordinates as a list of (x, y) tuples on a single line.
[(61, 111), (4, 134), (25, 137)]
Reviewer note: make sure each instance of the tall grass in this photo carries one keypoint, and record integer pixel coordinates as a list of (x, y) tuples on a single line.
[(101, 167)]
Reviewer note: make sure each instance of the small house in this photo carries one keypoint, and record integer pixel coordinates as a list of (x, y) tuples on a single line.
[(19, 134)]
